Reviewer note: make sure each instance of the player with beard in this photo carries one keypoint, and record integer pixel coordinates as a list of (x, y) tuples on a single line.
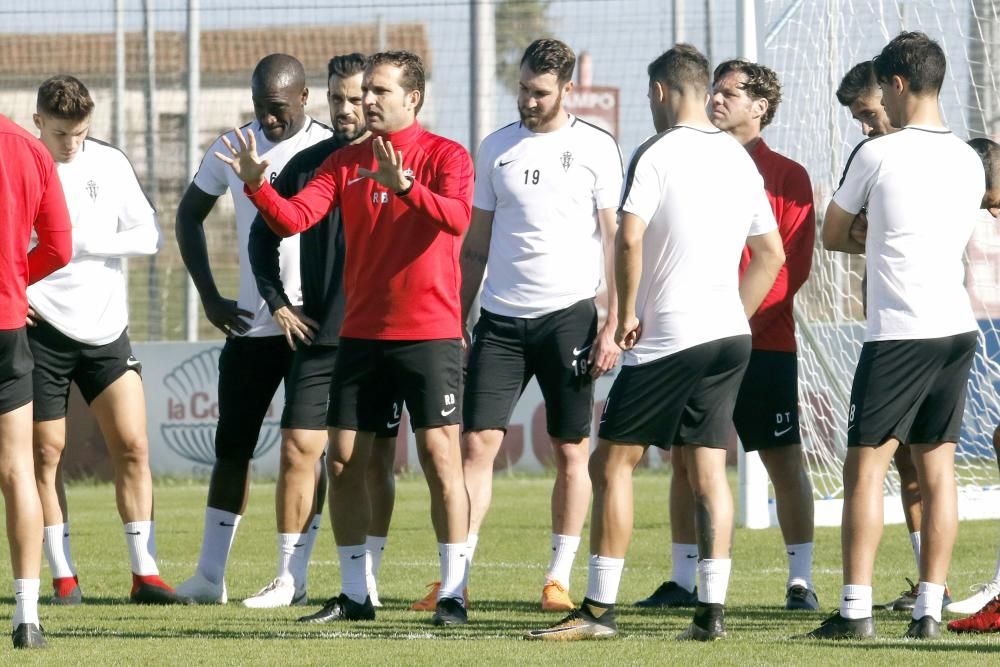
[(256, 356), (314, 339), (543, 226)]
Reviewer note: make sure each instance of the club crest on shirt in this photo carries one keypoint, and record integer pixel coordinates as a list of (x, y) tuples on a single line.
[(567, 160), (92, 190)]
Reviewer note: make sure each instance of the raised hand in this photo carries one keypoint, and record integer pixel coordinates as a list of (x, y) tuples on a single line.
[(390, 166), (244, 161)]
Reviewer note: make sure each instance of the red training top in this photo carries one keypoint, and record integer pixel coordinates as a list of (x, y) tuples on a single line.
[(401, 272), (790, 193), (30, 197)]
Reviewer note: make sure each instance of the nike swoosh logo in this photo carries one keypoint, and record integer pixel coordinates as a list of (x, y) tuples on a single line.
[(392, 424), (691, 556), (791, 553), (300, 544), (445, 413), (357, 556), (129, 532), (578, 351), (504, 164), (227, 525), (778, 434), (355, 180), (851, 599)]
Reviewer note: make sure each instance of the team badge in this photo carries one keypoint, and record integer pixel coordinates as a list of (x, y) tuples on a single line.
[(92, 190), (567, 160)]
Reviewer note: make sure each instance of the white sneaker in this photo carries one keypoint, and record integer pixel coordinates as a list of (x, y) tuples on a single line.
[(970, 605), (203, 591), (278, 593)]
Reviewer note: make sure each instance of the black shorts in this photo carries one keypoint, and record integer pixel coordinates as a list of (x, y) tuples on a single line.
[(767, 405), (15, 370), (250, 370), (371, 374), (307, 392), (60, 360), (911, 390), (685, 398), (508, 351)]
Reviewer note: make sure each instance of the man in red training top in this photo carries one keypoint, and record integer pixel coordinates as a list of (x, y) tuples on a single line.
[(31, 198), (405, 196)]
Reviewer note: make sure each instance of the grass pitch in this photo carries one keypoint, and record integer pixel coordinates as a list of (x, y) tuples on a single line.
[(505, 589)]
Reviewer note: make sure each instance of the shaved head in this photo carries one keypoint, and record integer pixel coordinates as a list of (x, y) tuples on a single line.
[(278, 88), (278, 71)]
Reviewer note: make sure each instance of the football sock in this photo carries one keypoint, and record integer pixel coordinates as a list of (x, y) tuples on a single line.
[(713, 579), (470, 552), (216, 543), (996, 574), (374, 548), (915, 543), (55, 543), (856, 601), (929, 600), (684, 565), (352, 572), (26, 601), (300, 561), (604, 575), (453, 568), (290, 545), (561, 564), (800, 564), (141, 547)]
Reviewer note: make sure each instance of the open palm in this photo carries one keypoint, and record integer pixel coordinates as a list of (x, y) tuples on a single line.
[(245, 162)]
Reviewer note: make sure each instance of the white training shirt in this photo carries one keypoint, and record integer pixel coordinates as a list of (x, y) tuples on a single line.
[(701, 196), (215, 177), (87, 299), (545, 189), (922, 187)]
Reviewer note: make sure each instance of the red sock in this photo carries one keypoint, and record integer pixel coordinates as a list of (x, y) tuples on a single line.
[(150, 580), (63, 586)]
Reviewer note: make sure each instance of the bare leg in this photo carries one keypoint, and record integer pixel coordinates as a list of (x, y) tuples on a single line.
[(611, 467), (909, 488), (936, 470), (480, 450), (861, 527), (347, 465), (682, 530), (382, 485), (24, 509), (713, 500), (49, 441), (571, 492), (441, 460), (793, 492), (295, 496)]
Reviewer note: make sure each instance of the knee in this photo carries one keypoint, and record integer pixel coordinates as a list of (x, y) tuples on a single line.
[(572, 457), (134, 451), (296, 457), (48, 453)]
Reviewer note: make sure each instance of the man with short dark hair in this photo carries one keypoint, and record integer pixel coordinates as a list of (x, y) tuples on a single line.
[(543, 226), (745, 97), (405, 197), (256, 356), (299, 498), (912, 376), (682, 321), (78, 333), (31, 201)]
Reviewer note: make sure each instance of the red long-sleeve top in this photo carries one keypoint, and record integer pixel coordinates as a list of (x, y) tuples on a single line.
[(790, 193), (31, 197), (401, 271)]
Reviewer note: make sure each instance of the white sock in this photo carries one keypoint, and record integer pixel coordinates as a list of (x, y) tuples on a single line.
[(26, 601), (604, 575), (713, 579), (470, 552), (996, 574), (216, 543), (684, 565), (856, 601), (915, 543), (374, 548), (300, 563), (561, 564), (352, 572), (929, 600), (141, 547), (800, 564), (290, 546), (453, 567), (55, 543)]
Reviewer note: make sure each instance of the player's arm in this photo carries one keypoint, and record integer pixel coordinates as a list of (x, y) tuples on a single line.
[(605, 351), (844, 225), (837, 231), (137, 234), (53, 229), (766, 257), (628, 271), (474, 256), (189, 227)]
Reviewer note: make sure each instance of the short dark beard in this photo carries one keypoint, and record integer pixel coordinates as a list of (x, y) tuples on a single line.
[(531, 122)]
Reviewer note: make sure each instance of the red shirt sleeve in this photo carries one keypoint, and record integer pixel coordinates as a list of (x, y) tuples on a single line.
[(447, 202), (287, 217), (52, 225)]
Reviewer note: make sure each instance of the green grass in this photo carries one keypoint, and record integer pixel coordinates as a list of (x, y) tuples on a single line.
[(510, 561)]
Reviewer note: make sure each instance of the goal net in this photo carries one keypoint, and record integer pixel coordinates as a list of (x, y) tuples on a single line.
[(812, 45)]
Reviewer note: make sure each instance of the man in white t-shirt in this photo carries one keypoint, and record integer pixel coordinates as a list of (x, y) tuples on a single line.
[(922, 187), (78, 333), (682, 321), (543, 226), (256, 356)]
